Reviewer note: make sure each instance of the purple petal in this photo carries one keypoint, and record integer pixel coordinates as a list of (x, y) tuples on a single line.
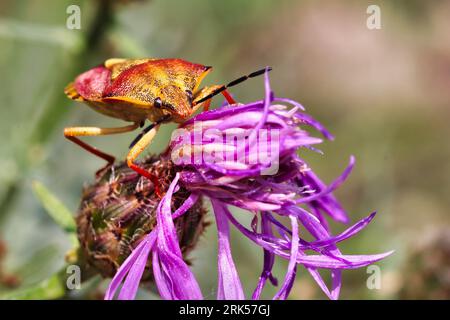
[(267, 99), (327, 202), (294, 103), (352, 261), (124, 268), (224, 111), (315, 124), (346, 234), (269, 260), (184, 285), (290, 274), (187, 204), (248, 120), (131, 284), (323, 221), (334, 185), (162, 282), (167, 235), (177, 282), (317, 230), (229, 284)]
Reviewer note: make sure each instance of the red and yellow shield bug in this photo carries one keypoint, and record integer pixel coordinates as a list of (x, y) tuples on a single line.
[(134, 90)]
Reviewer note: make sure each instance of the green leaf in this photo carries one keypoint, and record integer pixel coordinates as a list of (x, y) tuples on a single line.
[(51, 288), (54, 207)]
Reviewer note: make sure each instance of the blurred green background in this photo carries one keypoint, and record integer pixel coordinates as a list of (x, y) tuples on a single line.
[(384, 94)]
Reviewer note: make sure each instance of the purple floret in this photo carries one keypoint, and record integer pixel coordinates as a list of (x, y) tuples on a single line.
[(291, 192)]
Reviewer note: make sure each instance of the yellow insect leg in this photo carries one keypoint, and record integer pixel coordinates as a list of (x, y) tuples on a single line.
[(136, 150)]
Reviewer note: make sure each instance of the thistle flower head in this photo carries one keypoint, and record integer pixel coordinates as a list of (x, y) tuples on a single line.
[(248, 156), (119, 210)]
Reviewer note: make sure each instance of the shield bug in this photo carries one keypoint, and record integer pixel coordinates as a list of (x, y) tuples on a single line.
[(134, 90)]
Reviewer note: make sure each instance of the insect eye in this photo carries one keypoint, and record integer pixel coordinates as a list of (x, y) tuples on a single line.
[(157, 103), (189, 96)]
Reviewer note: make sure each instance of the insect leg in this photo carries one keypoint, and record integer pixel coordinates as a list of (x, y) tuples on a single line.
[(136, 150), (228, 97), (206, 105), (73, 132)]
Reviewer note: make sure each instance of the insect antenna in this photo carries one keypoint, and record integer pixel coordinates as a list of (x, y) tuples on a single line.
[(233, 83)]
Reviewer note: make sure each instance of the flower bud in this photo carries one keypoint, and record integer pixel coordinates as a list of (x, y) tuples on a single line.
[(119, 209)]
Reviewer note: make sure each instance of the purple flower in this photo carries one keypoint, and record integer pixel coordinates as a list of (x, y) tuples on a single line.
[(246, 156)]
